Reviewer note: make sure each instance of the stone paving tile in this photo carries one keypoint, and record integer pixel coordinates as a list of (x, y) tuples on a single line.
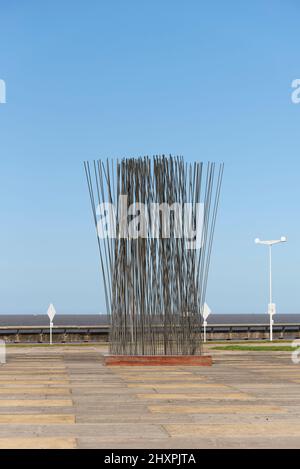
[(193, 443), (178, 386), (106, 430), (165, 378), (45, 391), (33, 382), (37, 443), (36, 418), (195, 396), (217, 409), (142, 417), (251, 429), (12, 402)]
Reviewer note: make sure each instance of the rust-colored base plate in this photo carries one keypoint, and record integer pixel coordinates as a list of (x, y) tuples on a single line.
[(157, 360)]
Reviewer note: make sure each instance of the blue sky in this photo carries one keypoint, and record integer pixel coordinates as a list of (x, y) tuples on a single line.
[(106, 78)]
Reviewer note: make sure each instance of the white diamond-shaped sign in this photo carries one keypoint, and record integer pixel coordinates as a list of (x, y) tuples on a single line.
[(51, 312), (206, 311)]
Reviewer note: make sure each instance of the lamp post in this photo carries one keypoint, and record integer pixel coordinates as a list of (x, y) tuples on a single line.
[(271, 305)]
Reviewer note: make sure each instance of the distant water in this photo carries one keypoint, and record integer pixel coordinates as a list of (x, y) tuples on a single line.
[(102, 319), (59, 319)]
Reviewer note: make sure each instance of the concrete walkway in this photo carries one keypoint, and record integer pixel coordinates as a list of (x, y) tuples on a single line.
[(64, 397)]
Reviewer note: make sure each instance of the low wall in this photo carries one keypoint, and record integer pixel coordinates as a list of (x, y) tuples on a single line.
[(81, 334), (62, 335)]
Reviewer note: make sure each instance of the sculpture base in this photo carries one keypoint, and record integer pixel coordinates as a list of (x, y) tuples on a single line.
[(157, 360)]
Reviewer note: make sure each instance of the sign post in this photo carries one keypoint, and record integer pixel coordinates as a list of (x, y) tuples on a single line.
[(51, 313), (205, 313)]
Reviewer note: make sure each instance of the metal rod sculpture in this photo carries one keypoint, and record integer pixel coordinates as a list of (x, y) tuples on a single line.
[(154, 283)]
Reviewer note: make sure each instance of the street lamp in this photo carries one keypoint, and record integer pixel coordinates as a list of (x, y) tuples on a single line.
[(271, 305)]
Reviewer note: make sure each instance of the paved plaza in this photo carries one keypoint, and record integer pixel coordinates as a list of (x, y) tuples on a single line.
[(64, 397)]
